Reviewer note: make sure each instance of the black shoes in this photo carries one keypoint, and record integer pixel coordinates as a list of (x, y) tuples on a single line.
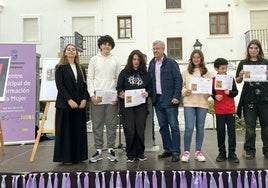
[(175, 158), (130, 159), (221, 157), (250, 155), (266, 155), (164, 155), (142, 158), (233, 158)]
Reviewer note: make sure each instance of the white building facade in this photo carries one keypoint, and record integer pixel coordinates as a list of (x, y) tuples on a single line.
[(220, 25)]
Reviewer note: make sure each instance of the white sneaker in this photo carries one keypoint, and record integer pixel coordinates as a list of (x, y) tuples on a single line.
[(199, 156), (111, 156), (185, 157), (96, 157)]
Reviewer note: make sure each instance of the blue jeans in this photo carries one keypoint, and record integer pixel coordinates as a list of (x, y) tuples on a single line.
[(168, 120), (194, 116)]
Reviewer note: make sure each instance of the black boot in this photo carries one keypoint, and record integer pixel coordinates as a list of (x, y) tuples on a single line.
[(250, 155), (266, 155), (233, 158), (221, 157)]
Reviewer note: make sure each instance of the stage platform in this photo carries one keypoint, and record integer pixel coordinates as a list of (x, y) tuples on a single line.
[(16, 158), (17, 171)]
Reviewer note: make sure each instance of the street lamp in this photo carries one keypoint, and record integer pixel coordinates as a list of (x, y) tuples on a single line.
[(197, 45)]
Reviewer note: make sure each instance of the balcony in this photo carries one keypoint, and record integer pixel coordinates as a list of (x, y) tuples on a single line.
[(256, 1), (261, 35), (90, 46)]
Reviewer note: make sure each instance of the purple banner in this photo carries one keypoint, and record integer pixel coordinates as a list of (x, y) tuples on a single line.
[(17, 112)]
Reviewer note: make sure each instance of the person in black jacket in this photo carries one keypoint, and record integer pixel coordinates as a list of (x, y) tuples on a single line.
[(71, 132), (134, 76), (253, 101), (166, 81)]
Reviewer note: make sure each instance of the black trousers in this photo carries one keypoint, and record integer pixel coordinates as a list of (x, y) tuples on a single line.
[(134, 122), (251, 112), (223, 121)]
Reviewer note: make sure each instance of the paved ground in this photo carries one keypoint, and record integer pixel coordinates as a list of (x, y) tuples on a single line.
[(17, 158)]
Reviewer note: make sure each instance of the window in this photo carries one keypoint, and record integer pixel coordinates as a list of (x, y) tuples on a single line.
[(218, 23), (171, 4), (31, 29), (124, 27), (84, 25), (174, 48)]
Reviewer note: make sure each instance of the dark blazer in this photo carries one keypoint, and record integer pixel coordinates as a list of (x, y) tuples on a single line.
[(68, 87), (171, 81), (248, 95)]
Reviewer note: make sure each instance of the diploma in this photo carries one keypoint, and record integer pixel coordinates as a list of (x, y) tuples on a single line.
[(223, 82), (106, 96), (201, 85), (255, 73), (133, 97)]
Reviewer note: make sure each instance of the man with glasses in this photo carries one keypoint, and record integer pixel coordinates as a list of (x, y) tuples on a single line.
[(166, 92)]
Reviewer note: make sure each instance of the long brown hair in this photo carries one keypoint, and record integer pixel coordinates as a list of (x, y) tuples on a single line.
[(191, 65), (129, 65), (260, 55), (64, 60)]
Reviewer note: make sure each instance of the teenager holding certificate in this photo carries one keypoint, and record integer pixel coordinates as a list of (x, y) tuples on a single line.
[(103, 71), (224, 107), (133, 77), (195, 106), (253, 101)]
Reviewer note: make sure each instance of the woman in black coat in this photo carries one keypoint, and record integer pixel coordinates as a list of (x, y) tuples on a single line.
[(71, 131)]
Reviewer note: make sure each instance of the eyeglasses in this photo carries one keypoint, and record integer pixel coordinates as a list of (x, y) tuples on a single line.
[(156, 49)]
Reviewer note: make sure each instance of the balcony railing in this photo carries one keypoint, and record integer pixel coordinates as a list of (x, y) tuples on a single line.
[(260, 34), (256, 1), (90, 45)]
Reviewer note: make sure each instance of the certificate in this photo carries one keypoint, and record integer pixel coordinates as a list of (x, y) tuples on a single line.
[(223, 82), (133, 97), (255, 73), (106, 96), (201, 85)]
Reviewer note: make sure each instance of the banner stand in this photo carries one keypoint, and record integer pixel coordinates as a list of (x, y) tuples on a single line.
[(41, 130), (1, 138)]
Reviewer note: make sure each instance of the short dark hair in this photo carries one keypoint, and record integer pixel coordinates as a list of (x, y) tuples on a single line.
[(220, 61), (104, 39)]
